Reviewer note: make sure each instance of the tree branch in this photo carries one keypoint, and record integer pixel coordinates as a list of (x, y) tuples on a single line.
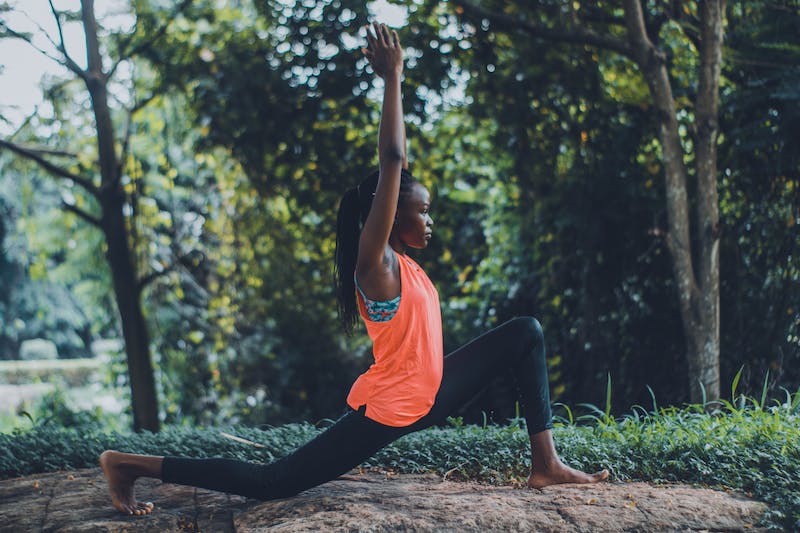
[(94, 61), (575, 35), (24, 122), (640, 43), (69, 63), (82, 214), (50, 167), (41, 30), (17, 35), (48, 151)]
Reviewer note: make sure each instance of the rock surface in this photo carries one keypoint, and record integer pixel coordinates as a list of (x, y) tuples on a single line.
[(78, 502)]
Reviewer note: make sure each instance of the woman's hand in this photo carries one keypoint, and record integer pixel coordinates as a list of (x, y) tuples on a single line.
[(383, 51)]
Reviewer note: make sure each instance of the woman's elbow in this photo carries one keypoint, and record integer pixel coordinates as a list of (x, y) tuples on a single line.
[(392, 154)]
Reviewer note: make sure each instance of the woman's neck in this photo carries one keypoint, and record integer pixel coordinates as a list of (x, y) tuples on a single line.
[(397, 245)]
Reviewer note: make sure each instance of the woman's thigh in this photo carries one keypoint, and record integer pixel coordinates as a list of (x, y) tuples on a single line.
[(470, 368)]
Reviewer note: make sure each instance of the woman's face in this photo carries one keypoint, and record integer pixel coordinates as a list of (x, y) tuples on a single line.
[(414, 222)]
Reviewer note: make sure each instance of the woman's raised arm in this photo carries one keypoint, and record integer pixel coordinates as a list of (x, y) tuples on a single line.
[(386, 57)]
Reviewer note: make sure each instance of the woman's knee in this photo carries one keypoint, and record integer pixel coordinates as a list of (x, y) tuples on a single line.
[(282, 478), (528, 329)]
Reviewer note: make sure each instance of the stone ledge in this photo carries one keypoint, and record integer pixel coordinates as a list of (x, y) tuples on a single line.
[(78, 502)]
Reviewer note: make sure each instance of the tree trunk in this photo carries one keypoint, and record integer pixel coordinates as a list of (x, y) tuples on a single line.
[(704, 360), (134, 327), (126, 284), (698, 292)]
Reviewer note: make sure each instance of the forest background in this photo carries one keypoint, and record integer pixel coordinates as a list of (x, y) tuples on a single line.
[(237, 126)]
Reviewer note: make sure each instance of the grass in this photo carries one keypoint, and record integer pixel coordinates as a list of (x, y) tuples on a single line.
[(744, 444)]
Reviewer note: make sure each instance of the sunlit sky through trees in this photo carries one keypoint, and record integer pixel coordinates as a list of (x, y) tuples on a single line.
[(22, 68)]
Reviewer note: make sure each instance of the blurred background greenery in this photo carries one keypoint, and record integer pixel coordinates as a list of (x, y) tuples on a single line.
[(252, 118)]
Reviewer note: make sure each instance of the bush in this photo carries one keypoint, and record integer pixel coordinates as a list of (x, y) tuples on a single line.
[(53, 409)]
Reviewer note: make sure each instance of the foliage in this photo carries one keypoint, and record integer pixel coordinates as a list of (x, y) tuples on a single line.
[(570, 237), (278, 87), (748, 445), (760, 193), (53, 410), (44, 277), (573, 182), (546, 181)]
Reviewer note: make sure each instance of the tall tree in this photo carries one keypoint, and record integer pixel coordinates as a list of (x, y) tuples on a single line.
[(110, 194), (634, 32)]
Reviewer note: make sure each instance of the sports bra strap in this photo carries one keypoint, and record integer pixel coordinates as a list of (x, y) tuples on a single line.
[(379, 310)]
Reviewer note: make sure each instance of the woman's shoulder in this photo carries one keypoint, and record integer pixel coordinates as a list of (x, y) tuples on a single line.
[(382, 281)]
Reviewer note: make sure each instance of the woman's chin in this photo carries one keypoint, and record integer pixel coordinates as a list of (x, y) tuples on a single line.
[(420, 244)]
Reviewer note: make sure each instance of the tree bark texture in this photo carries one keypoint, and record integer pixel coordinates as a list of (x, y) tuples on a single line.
[(697, 277), (706, 117)]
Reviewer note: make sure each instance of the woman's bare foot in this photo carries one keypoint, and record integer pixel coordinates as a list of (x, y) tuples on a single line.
[(120, 472), (560, 473)]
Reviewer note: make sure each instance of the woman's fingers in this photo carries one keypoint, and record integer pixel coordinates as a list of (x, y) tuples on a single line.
[(387, 35), (381, 36), (379, 33), (370, 38)]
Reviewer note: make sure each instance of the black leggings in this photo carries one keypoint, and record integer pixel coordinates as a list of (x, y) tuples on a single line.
[(517, 345)]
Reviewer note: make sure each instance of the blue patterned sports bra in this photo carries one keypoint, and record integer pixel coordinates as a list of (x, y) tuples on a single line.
[(379, 311)]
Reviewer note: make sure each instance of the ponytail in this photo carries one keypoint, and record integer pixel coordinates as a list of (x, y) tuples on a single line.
[(353, 211), (348, 228)]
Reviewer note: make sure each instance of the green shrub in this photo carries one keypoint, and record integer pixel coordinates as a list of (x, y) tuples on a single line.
[(54, 409)]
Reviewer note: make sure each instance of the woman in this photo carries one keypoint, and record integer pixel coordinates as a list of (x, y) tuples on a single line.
[(411, 386)]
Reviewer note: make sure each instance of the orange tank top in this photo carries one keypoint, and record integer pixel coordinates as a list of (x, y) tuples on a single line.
[(401, 385)]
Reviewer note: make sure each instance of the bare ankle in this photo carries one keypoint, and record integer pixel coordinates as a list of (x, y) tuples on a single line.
[(543, 464), (133, 466)]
